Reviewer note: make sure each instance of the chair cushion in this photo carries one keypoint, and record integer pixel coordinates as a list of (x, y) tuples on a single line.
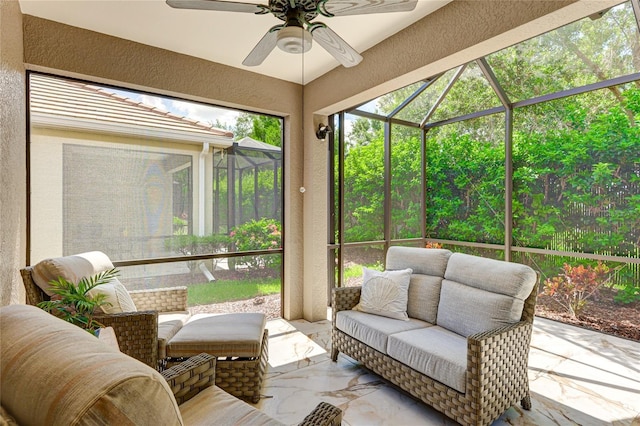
[(480, 294), (223, 335), (385, 293), (374, 330), (58, 373), (215, 406), (435, 352), (72, 268), (169, 323)]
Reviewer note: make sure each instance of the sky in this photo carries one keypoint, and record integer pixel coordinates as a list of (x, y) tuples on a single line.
[(193, 110)]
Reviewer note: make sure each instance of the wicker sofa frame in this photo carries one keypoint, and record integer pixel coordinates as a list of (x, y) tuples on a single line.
[(497, 363), (137, 334)]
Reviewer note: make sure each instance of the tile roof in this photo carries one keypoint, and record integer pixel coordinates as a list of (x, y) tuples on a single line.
[(66, 103)]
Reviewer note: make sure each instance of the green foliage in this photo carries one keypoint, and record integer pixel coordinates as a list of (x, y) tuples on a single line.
[(74, 302), (628, 294), (230, 290), (575, 285), (189, 245), (262, 234), (259, 127)]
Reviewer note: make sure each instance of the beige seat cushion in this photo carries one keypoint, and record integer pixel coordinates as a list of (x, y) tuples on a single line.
[(436, 352), (228, 410), (224, 335), (58, 374), (374, 330), (169, 323)]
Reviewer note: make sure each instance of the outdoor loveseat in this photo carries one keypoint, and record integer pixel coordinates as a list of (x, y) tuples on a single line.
[(461, 344)]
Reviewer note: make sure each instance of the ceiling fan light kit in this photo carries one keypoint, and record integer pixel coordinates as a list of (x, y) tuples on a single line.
[(294, 40), (297, 32)]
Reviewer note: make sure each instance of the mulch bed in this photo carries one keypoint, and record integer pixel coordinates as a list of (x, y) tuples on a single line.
[(603, 315)]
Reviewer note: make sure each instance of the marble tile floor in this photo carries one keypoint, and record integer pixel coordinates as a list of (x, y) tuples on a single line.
[(577, 377)]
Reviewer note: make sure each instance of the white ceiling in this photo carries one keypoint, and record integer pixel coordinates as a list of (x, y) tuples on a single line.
[(223, 37)]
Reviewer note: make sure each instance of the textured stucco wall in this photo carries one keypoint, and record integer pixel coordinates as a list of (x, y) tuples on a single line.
[(71, 51), (12, 154)]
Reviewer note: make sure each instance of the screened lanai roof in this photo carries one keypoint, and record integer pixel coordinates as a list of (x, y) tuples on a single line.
[(61, 103), (599, 51)]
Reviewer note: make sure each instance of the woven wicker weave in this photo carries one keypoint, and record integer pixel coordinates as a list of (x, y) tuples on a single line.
[(240, 377), (496, 375), (188, 378), (137, 332)]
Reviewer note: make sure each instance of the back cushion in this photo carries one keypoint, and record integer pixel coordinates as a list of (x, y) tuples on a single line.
[(53, 372), (72, 268), (428, 267), (479, 294)]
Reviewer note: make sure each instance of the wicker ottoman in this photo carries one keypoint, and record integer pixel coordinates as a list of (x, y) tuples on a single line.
[(240, 343)]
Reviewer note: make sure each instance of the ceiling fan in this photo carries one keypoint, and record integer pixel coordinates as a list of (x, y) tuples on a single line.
[(297, 32)]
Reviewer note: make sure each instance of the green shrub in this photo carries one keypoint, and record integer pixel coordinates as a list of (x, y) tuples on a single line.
[(263, 234), (628, 294)]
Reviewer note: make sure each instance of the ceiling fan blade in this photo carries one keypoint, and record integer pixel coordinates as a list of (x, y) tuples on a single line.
[(335, 45), (361, 7), (263, 48), (223, 6)]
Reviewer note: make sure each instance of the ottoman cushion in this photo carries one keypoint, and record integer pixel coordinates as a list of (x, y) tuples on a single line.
[(224, 335)]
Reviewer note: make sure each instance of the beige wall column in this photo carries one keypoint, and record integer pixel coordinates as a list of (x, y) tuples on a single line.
[(316, 266), (12, 154)]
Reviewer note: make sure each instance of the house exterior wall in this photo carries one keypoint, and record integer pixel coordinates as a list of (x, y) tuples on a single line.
[(128, 230)]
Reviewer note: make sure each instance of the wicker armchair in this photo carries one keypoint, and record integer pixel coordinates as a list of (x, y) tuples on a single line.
[(137, 332)]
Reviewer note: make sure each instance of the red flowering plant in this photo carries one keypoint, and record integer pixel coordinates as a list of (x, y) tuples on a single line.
[(263, 234), (575, 285)]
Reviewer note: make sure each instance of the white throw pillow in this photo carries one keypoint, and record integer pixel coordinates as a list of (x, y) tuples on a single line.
[(385, 293), (117, 295)]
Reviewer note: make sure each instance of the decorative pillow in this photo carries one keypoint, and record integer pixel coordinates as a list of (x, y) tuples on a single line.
[(117, 296), (385, 293)]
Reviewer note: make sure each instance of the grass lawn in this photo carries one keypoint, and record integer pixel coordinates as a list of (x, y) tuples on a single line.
[(225, 291)]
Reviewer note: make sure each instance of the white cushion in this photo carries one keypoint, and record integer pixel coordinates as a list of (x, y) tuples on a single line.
[(71, 268), (385, 293), (435, 352), (117, 297), (374, 330)]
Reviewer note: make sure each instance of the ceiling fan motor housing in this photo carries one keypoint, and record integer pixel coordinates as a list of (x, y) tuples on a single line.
[(294, 39)]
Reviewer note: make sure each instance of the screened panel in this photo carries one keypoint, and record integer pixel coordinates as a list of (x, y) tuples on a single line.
[(470, 93), (465, 180), (417, 109), (593, 49), (125, 206), (204, 293), (356, 258), (387, 103), (577, 183), (475, 251), (406, 182), (364, 181)]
